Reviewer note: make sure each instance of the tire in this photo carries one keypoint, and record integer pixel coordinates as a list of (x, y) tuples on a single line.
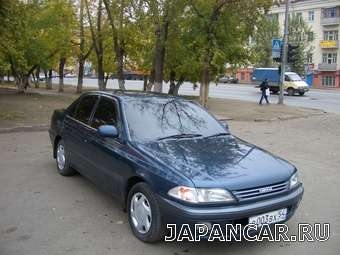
[(155, 232), (62, 161), (301, 93), (290, 91)]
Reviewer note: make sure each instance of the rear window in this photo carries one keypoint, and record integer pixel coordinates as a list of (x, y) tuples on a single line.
[(84, 109)]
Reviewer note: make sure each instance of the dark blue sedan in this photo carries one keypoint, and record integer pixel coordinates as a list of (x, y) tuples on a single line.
[(168, 160)]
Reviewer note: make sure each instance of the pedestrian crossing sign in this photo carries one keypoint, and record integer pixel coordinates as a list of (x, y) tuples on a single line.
[(276, 48)]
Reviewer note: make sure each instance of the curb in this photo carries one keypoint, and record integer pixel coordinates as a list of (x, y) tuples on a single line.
[(24, 129)]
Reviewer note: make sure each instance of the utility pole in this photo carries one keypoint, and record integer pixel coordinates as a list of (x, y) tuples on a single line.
[(284, 53)]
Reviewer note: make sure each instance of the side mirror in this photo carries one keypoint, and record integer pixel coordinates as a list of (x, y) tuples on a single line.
[(224, 123), (108, 131)]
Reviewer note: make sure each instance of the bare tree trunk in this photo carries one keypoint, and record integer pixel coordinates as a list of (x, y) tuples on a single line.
[(118, 42), (172, 82), (145, 82), (80, 76), (48, 78), (158, 82), (151, 80), (106, 78), (81, 59), (120, 68), (37, 78), (22, 82), (204, 88), (97, 42), (62, 62), (174, 87), (101, 83), (161, 38)]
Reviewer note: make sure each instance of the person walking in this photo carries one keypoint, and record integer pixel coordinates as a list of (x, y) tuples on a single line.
[(263, 87)]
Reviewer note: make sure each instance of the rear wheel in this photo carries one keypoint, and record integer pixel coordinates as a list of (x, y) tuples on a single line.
[(144, 214), (290, 91), (62, 160)]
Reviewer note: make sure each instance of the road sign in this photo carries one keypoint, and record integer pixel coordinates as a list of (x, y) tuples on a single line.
[(276, 48)]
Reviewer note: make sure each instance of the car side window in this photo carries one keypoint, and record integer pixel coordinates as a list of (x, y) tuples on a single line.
[(84, 109), (106, 113)]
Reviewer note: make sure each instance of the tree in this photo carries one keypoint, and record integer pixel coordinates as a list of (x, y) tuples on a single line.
[(4, 67), (31, 37), (180, 59), (84, 49), (97, 39), (67, 22), (266, 30), (301, 34), (220, 30), (115, 10)]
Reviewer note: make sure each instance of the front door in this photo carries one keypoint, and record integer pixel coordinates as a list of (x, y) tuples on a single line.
[(105, 154)]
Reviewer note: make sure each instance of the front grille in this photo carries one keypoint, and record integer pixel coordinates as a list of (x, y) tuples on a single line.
[(261, 191)]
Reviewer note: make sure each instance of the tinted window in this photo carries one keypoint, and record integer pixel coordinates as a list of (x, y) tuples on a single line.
[(150, 118), (84, 108), (105, 113)]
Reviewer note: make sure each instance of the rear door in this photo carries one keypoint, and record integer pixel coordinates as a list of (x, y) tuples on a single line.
[(76, 132)]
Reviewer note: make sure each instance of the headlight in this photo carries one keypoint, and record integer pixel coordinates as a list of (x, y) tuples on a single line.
[(294, 180), (200, 195)]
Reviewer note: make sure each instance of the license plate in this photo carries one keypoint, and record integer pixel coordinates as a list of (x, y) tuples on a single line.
[(269, 217)]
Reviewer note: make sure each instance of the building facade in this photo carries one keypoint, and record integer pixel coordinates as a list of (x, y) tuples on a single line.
[(323, 16)]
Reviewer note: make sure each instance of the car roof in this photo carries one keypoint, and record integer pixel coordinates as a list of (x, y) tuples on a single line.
[(121, 94)]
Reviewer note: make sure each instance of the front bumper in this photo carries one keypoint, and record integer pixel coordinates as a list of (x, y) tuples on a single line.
[(177, 213), (303, 89)]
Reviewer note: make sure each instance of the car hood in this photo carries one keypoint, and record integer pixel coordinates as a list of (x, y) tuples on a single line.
[(226, 162), (301, 83)]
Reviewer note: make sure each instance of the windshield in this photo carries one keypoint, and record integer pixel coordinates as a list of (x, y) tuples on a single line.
[(153, 118), (294, 77)]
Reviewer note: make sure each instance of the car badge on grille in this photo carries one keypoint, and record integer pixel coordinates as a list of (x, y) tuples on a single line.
[(265, 189)]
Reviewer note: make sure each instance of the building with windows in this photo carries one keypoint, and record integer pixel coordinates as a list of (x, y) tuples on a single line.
[(323, 16)]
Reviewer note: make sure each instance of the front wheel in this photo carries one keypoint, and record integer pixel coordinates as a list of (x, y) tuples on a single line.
[(144, 214), (301, 93), (290, 91)]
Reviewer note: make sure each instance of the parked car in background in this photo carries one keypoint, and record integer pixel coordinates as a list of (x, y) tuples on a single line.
[(227, 79), (168, 160)]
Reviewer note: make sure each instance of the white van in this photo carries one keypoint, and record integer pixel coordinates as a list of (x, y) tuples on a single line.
[(294, 84)]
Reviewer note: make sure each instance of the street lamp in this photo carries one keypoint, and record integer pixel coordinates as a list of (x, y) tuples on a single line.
[(284, 52)]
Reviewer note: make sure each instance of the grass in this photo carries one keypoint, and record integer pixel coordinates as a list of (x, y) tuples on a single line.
[(29, 109)]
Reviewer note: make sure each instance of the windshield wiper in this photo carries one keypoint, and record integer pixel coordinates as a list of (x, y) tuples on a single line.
[(179, 136), (218, 134)]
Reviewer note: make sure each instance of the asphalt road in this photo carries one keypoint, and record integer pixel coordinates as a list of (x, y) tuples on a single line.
[(326, 100), (42, 212)]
